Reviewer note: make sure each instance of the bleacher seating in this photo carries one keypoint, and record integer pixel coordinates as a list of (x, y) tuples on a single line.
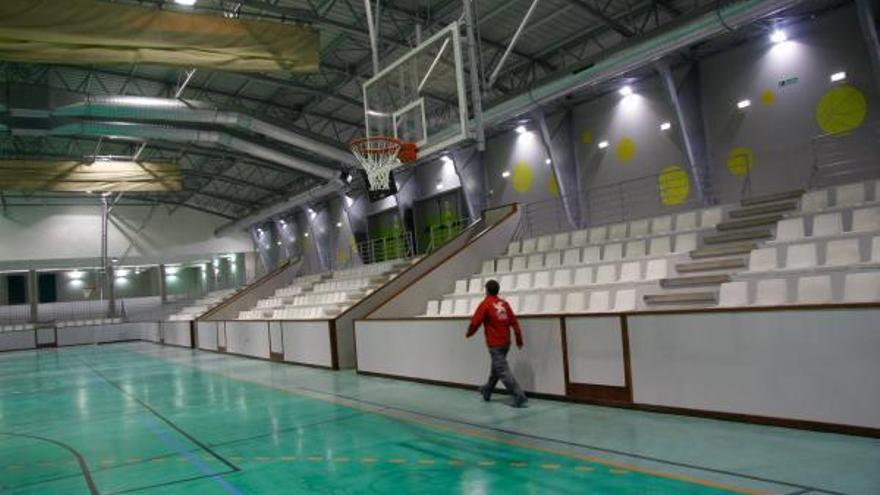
[(324, 295), (202, 305)]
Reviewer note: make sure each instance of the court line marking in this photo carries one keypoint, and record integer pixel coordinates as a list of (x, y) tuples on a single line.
[(83, 465)]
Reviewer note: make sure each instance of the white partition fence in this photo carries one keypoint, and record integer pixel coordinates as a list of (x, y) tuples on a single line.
[(306, 342), (808, 367), (58, 336)]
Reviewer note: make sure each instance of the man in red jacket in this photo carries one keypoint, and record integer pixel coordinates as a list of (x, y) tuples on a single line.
[(496, 316)]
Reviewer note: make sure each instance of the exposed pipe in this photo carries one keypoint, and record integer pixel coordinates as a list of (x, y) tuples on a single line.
[(176, 134), (648, 51), (171, 110), (332, 187)]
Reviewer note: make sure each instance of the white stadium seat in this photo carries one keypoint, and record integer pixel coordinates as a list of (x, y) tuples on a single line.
[(524, 281), (612, 252), (552, 303), (571, 257), (562, 277), (875, 250), (850, 194), (545, 243), (583, 276), (606, 274), (529, 246), (598, 234), (771, 292), (866, 220), (475, 286), (814, 201), (790, 229), (514, 248), (461, 307), (763, 259), (552, 259), (592, 254), (625, 300), (508, 282), (433, 308), (580, 238), (575, 302), (658, 246), (617, 231), (542, 280), (638, 228), (842, 252), (862, 287), (814, 289), (827, 224), (561, 241), (801, 256), (531, 304), (461, 286), (446, 307), (635, 249), (536, 261), (711, 217), (686, 221), (599, 301), (685, 243), (631, 272), (656, 270), (513, 301), (661, 225), (488, 267), (734, 294), (518, 264), (502, 265)]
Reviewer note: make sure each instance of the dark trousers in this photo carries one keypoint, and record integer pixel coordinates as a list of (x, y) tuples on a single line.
[(501, 371)]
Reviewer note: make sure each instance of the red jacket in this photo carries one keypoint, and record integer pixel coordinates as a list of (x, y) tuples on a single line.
[(497, 317)]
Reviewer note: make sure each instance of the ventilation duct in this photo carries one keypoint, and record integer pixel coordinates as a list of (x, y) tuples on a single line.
[(125, 108), (176, 134)]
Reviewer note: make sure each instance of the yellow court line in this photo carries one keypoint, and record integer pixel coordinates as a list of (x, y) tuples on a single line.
[(327, 397)]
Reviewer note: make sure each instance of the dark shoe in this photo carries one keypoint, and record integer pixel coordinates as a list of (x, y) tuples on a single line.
[(520, 402), (487, 394)]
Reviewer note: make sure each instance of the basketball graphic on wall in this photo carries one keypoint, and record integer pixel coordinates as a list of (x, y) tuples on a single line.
[(841, 109)]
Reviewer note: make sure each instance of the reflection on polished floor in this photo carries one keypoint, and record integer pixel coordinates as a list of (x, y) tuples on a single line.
[(141, 418)]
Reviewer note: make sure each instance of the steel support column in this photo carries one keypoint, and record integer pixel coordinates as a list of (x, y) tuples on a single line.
[(475, 72), (869, 30)]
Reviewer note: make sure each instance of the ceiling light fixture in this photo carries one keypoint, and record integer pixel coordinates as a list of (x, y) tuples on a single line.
[(838, 76), (778, 36), (665, 126), (743, 104), (626, 91)]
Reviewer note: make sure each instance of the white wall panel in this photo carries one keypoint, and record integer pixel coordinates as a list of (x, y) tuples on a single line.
[(276, 342), (176, 333), (437, 350), (595, 351), (14, 341), (45, 336), (250, 338), (307, 342), (807, 365), (207, 334)]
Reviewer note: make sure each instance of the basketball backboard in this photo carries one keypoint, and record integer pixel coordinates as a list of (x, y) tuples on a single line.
[(421, 96)]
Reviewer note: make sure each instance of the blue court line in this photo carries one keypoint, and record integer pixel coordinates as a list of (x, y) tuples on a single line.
[(172, 442)]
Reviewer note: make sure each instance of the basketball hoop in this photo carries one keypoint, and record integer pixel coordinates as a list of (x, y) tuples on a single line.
[(380, 155)]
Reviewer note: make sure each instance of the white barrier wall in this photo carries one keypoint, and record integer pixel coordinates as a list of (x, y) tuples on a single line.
[(436, 350), (820, 365), (248, 338), (19, 340), (206, 333), (176, 333), (100, 334), (307, 342), (595, 351)]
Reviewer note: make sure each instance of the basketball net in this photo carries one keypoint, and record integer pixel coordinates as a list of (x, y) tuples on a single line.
[(380, 155)]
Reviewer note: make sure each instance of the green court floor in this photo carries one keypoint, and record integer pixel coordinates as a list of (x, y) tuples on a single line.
[(141, 418)]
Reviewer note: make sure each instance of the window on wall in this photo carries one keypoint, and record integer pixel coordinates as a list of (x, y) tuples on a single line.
[(387, 239), (47, 288), (438, 219), (16, 287)]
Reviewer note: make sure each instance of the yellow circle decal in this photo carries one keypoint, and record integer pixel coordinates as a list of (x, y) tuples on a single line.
[(586, 137), (841, 109), (626, 149), (768, 97), (553, 185), (675, 185), (522, 177), (739, 161)]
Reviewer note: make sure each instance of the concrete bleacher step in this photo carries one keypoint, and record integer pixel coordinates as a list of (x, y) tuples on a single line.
[(738, 236), (773, 198), (712, 265), (731, 249), (764, 209), (699, 298), (745, 223), (694, 281)]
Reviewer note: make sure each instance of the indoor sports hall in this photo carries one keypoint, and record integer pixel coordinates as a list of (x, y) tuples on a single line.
[(466, 247)]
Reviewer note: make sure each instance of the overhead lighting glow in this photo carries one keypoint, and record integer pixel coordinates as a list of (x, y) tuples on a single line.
[(440, 186), (665, 126), (76, 274), (838, 76), (376, 113), (306, 234), (447, 160), (521, 129), (778, 36), (548, 161), (185, 2), (122, 273), (743, 104), (603, 145), (338, 225), (505, 174), (279, 243), (625, 91)]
